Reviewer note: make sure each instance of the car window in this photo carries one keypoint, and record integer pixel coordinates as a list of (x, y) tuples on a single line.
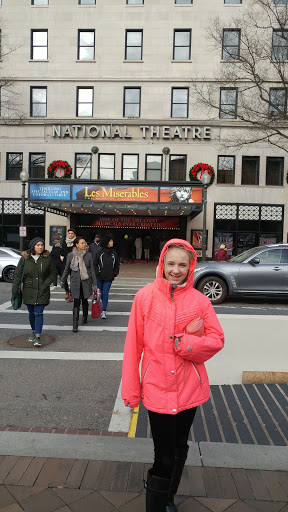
[(284, 256), (3, 254), (270, 256)]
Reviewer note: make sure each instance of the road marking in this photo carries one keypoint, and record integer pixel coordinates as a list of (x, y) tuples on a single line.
[(62, 356), (121, 415), (133, 423), (53, 312), (52, 328)]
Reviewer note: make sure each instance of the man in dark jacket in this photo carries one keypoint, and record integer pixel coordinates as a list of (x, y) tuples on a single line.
[(94, 248), (67, 248), (107, 267)]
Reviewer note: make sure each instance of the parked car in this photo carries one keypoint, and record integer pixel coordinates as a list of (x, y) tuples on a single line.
[(258, 271), (8, 262)]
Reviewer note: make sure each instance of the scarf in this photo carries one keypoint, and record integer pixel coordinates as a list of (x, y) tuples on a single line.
[(69, 241), (78, 263)]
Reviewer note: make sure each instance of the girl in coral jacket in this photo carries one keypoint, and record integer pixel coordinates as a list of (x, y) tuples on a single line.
[(177, 330)]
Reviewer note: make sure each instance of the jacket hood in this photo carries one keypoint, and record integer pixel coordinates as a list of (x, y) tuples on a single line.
[(188, 247), (27, 254)]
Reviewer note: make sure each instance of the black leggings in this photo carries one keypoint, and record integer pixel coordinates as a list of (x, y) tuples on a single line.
[(170, 435)]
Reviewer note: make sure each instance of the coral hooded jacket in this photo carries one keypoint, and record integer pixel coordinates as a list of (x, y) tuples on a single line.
[(173, 375)]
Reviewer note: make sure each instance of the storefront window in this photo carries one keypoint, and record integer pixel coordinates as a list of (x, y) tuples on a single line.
[(153, 169), (130, 167), (83, 166), (14, 166), (274, 171), (37, 165), (250, 170), (177, 168), (106, 167)]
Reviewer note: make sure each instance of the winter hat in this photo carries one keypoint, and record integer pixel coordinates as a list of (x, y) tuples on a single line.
[(35, 241), (97, 235)]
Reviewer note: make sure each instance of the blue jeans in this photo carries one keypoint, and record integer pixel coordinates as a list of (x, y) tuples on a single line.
[(104, 287), (36, 317)]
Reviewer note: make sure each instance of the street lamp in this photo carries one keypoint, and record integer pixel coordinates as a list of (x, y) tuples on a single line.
[(165, 152), (24, 178), (205, 180)]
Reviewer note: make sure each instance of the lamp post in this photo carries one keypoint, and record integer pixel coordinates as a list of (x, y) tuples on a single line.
[(24, 178), (165, 152), (205, 180)]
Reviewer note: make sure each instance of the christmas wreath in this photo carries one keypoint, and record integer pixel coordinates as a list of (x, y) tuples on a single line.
[(197, 170), (62, 166)]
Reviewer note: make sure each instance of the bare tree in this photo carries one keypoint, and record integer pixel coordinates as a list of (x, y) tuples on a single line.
[(251, 85), (11, 101)]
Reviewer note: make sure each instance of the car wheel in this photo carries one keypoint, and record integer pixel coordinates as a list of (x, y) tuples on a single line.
[(8, 274), (214, 288)]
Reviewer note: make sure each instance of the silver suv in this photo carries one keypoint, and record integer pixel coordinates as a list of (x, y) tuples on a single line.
[(9, 259)]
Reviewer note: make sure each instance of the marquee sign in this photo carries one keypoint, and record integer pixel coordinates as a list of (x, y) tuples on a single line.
[(137, 222)]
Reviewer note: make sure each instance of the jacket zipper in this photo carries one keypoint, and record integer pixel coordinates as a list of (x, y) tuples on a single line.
[(171, 292), (197, 372)]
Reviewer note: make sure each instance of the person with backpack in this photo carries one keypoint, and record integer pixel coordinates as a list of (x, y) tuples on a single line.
[(107, 268)]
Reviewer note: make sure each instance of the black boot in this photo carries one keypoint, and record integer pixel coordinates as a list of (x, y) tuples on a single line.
[(157, 490), (75, 318), (177, 471), (85, 312)]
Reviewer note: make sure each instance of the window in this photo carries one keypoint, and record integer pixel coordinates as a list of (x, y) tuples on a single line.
[(37, 165), (0, 41), (182, 45), (179, 106), (226, 169), (83, 166), (134, 2), (134, 45), (232, 1), (87, 2), (280, 45), (38, 101), (153, 167), (86, 45), (106, 167), (84, 101), (277, 102), (274, 171), (179, 2), (132, 98), (270, 256), (228, 103), (39, 2), (14, 166), (39, 44), (177, 168), (250, 170), (231, 44), (130, 165), (281, 2)]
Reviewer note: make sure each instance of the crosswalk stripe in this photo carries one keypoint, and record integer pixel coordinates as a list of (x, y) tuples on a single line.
[(53, 312), (63, 356), (52, 328)]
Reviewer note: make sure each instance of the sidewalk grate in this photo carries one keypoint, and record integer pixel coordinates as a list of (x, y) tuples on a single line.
[(243, 414)]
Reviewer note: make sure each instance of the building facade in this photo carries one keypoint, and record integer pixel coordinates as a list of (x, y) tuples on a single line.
[(105, 86)]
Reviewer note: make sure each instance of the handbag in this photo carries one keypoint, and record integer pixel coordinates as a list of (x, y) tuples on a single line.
[(16, 299), (97, 308)]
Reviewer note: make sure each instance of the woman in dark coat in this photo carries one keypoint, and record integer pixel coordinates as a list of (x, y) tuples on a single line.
[(82, 281), (39, 273), (107, 267)]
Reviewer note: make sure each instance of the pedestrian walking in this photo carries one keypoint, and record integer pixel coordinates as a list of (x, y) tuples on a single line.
[(222, 254), (138, 245), (58, 257), (67, 248), (80, 266), (107, 268), (39, 272), (95, 247), (176, 330), (124, 249), (147, 244)]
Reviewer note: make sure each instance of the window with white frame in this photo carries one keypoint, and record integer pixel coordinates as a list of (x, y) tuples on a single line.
[(280, 45), (180, 2), (83, 166), (277, 102), (232, 1), (106, 166), (130, 165), (281, 2), (134, 2), (87, 2), (134, 45), (84, 102), (37, 165), (40, 2), (39, 44), (153, 167), (226, 169), (228, 103), (14, 163), (182, 44), (179, 103), (231, 44), (132, 99), (86, 45), (38, 101)]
